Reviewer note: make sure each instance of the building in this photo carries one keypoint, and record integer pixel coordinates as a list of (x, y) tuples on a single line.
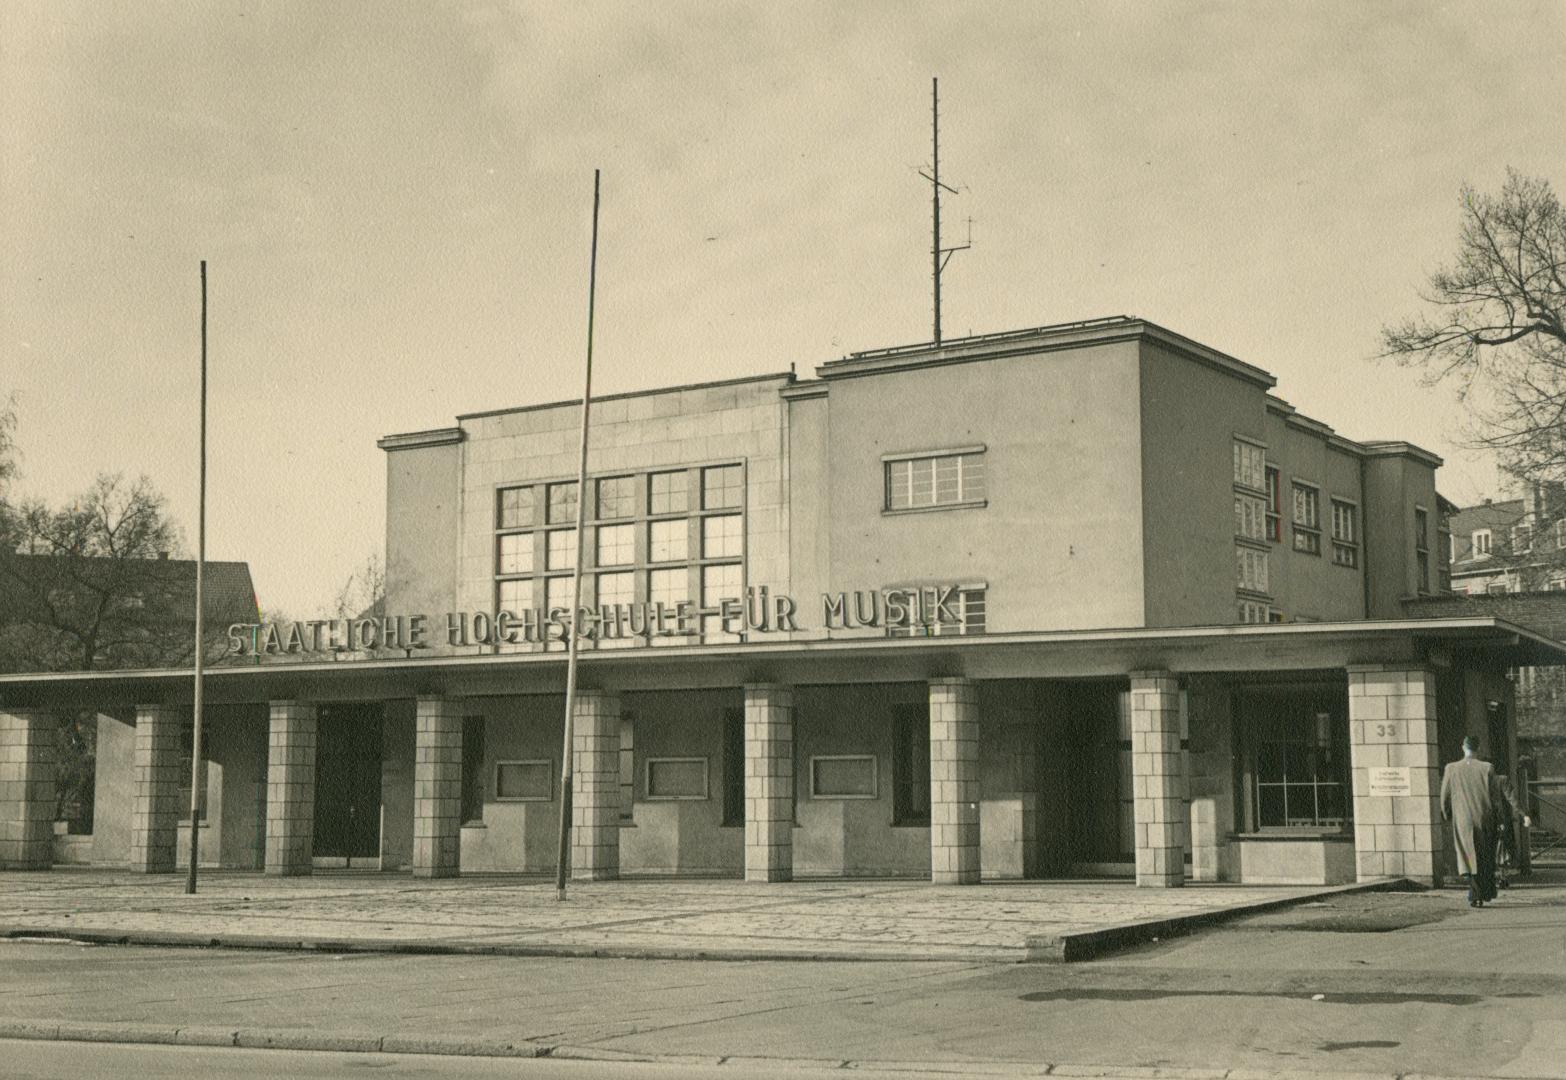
[(1087, 598)]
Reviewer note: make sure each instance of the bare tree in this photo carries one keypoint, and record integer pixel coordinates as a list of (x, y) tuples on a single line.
[(363, 595), (1499, 328)]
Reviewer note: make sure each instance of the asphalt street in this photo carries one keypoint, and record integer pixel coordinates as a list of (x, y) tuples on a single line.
[(1381, 984)]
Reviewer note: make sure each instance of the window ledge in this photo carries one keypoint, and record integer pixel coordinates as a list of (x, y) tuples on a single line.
[(971, 504), (1297, 833), (474, 825)]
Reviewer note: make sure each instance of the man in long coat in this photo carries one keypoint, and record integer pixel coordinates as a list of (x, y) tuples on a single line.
[(1470, 800)]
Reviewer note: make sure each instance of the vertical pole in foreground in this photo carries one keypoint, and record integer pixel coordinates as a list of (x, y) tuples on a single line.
[(935, 188), (573, 639), (201, 559)]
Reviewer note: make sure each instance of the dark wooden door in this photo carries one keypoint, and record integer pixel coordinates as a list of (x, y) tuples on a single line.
[(348, 782)]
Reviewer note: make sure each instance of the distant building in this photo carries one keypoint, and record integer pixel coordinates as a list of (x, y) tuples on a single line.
[(1085, 598), (1510, 545)]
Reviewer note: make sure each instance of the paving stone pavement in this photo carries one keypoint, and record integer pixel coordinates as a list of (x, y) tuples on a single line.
[(827, 919)]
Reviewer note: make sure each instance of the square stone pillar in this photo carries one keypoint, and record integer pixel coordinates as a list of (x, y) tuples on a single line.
[(1392, 733), (437, 787), (954, 782), (27, 799), (595, 796), (1158, 779), (769, 782), (290, 788), (155, 816)]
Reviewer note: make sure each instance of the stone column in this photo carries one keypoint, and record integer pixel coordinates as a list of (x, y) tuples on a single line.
[(290, 788), (27, 798), (1158, 779), (155, 818), (437, 787), (769, 782), (595, 796), (954, 782), (1392, 734)]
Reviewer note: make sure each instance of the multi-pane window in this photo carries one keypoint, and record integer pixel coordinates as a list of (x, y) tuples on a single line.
[(616, 588), (722, 536), (935, 480), (722, 487), (516, 553), (616, 496), (1274, 489), (911, 764), (1251, 569), (516, 595), (561, 554), (1345, 534), (515, 508), (1307, 519), (627, 768), (616, 545), (1422, 548), (666, 493), (1481, 542), (1250, 463), (720, 582), (1522, 539), (668, 587), (1250, 517), (967, 603), (1254, 611), (1300, 772), (668, 541), (562, 503), (689, 522)]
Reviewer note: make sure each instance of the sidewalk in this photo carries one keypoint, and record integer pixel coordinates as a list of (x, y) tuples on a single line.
[(718, 919)]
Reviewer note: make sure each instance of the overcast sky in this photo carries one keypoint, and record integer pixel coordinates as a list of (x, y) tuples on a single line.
[(395, 201)]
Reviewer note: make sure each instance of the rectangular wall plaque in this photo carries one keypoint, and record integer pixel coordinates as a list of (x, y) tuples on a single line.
[(1391, 781)]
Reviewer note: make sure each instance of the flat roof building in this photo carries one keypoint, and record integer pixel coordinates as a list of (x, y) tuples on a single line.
[(1086, 598)]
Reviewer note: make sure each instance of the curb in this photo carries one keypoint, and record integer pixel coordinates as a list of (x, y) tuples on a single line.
[(459, 947), (294, 1039), (1089, 944)]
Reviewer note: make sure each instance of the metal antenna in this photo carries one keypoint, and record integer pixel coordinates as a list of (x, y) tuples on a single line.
[(939, 256)]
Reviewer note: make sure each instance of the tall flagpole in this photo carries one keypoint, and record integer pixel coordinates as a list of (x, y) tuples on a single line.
[(201, 560), (573, 637)]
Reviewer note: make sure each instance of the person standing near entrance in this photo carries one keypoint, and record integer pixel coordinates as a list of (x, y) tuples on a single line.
[(1471, 799)]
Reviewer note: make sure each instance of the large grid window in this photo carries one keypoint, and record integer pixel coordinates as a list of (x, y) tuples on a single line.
[(935, 480), (718, 583), (515, 554), (668, 541), (561, 554), (1307, 519), (722, 536), (514, 508), (670, 535), (667, 493), (722, 487), (1345, 533), (562, 503), (616, 545), (616, 496)]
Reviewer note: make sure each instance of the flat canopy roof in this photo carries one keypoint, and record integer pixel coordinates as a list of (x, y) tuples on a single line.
[(1480, 643)]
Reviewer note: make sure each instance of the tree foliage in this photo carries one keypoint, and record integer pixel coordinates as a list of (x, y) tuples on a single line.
[(87, 586), (1498, 325)]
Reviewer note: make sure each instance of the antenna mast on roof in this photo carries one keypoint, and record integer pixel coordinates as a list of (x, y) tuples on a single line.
[(939, 256)]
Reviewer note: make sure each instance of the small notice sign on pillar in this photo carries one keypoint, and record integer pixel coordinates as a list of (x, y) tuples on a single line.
[(1390, 781)]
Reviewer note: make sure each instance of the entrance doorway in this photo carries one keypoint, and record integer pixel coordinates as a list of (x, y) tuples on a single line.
[(1100, 807), (348, 786)]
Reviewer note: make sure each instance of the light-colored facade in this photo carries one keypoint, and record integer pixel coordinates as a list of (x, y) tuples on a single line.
[(1087, 598)]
